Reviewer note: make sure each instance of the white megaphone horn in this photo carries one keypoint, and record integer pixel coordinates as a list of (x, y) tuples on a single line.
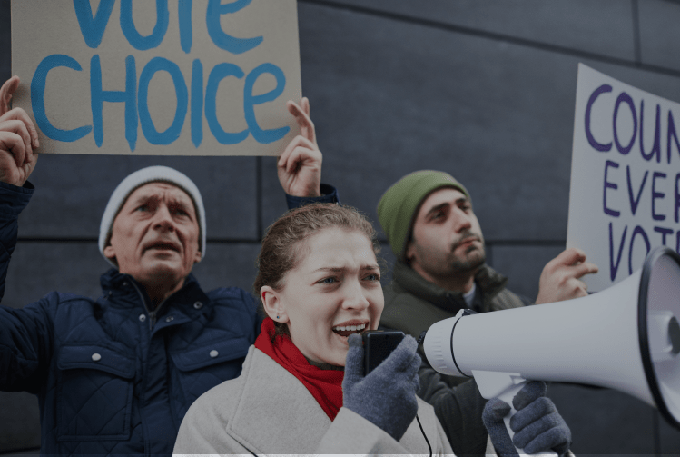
[(625, 338)]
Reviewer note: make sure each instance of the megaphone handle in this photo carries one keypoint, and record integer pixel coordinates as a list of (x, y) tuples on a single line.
[(507, 397)]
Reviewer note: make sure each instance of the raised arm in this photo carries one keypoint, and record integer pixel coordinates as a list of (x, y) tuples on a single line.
[(18, 137), (25, 334)]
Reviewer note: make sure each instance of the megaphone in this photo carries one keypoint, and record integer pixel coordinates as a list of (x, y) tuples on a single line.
[(625, 338)]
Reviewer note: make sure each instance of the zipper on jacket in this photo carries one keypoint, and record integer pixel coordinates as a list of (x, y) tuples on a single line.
[(152, 314)]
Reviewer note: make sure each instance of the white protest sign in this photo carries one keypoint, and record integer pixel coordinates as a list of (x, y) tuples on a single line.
[(624, 198), (172, 77)]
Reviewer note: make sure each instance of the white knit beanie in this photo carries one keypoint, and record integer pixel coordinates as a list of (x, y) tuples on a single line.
[(156, 173)]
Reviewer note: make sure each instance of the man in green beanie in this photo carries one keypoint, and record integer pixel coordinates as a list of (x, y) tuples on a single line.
[(440, 269)]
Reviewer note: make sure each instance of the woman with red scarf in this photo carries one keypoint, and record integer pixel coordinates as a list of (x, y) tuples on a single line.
[(302, 389)]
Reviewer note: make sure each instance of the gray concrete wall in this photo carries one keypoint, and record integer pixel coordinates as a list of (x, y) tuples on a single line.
[(483, 90)]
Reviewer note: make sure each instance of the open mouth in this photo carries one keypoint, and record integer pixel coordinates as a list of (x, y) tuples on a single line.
[(162, 247), (347, 330)]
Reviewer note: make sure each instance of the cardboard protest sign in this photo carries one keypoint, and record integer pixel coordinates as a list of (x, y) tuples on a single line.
[(624, 198), (189, 77)]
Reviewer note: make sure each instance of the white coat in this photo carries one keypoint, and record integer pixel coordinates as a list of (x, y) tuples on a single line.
[(267, 410)]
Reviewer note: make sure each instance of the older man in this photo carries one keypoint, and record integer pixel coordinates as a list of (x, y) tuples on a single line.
[(440, 269), (117, 374)]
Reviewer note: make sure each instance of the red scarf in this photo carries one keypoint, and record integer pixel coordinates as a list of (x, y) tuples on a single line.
[(324, 385)]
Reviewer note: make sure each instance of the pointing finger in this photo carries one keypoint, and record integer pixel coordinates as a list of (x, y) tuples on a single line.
[(302, 118), (6, 92), (301, 115), (304, 103)]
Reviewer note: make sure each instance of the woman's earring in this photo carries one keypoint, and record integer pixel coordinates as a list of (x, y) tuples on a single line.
[(277, 316)]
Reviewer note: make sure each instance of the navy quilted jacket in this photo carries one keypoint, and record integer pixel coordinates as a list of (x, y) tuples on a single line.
[(110, 380), (110, 377)]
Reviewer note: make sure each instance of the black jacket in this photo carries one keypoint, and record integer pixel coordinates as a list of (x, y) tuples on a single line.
[(412, 305)]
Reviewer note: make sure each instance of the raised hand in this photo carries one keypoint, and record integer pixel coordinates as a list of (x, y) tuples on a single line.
[(299, 167), (560, 281), (18, 138)]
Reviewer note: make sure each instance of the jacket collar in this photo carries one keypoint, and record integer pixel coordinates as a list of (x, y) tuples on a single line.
[(127, 292), (489, 284)]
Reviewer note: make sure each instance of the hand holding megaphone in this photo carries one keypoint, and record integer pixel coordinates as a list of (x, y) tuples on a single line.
[(532, 419), (625, 338)]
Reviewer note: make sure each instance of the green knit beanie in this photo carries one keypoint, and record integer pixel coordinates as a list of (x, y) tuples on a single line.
[(397, 207)]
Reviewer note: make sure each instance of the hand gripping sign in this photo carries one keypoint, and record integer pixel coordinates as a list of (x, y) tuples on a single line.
[(185, 77), (624, 198)]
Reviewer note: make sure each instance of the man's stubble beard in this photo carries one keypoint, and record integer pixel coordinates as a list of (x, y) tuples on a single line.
[(456, 266)]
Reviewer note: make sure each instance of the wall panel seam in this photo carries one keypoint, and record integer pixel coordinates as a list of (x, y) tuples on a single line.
[(463, 30)]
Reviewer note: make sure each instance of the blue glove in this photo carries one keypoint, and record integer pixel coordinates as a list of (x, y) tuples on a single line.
[(537, 425), (387, 395), (494, 412)]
